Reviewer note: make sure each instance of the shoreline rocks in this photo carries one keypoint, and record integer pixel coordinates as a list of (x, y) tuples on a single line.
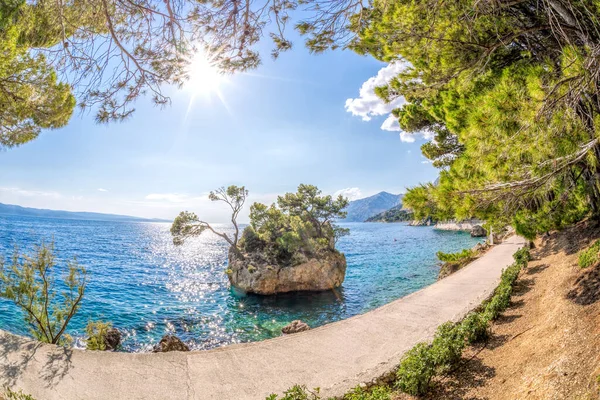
[(478, 231), (170, 343), (295, 327)]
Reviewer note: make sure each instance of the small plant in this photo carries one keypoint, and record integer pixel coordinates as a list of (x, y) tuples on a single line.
[(459, 258), (297, 393), (475, 327), (374, 393), (590, 256), (522, 256), (416, 370), (12, 395), (229, 271), (97, 332), (448, 344), (30, 283), (251, 269)]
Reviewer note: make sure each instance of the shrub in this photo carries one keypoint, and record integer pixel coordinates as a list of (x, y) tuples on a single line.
[(416, 370), (589, 256), (461, 257), (96, 332), (12, 395), (475, 327), (30, 283), (522, 256), (447, 346), (375, 393), (297, 393)]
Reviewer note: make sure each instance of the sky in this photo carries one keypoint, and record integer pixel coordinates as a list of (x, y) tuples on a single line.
[(300, 119)]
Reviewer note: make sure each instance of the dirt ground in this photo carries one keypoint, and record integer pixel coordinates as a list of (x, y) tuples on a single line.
[(547, 344)]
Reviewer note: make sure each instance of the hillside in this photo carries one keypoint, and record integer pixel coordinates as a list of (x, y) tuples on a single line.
[(546, 345), (394, 214), (10, 209), (362, 209)]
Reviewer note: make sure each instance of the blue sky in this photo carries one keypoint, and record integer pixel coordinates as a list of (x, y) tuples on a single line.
[(301, 119)]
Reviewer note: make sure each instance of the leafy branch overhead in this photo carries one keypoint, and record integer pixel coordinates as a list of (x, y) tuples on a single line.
[(107, 53)]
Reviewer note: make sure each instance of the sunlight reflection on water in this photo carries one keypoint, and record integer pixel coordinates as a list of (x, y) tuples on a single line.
[(147, 287)]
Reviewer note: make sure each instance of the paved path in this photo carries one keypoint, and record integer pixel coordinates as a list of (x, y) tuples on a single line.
[(334, 357)]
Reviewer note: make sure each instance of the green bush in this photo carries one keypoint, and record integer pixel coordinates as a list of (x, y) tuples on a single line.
[(416, 370), (297, 393), (522, 256), (461, 257), (447, 346), (11, 395), (96, 332), (475, 327), (589, 256), (375, 393)]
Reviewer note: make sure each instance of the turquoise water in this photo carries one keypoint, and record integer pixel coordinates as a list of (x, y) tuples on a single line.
[(147, 287)]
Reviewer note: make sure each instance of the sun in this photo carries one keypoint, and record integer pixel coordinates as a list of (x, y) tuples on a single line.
[(204, 76)]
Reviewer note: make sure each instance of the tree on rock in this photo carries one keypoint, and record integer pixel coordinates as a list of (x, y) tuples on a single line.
[(188, 224)]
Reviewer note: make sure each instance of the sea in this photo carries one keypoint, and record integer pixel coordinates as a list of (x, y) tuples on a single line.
[(147, 287)]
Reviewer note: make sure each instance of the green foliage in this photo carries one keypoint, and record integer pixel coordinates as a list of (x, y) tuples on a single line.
[(496, 91), (416, 370), (30, 282), (382, 392), (447, 346), (475, 327), (187, 224), (590, 256), (297, 392), (300, 225), (12, 395), (461, 257), (395, 214), (31, 96), (522, 256), (96, 332)]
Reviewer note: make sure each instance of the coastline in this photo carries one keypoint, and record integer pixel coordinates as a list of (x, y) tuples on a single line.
[(335, 357)]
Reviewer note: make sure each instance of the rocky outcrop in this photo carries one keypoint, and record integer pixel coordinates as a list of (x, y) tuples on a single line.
[(421, 222), (252, 276), (465, 225), (170, 343), (478, 231), (112, 340), (295, 327)]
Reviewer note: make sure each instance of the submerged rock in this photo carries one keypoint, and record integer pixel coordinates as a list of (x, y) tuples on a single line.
[(478, 231), (112, 340), (295, 327), (170, 343), (252, 276)]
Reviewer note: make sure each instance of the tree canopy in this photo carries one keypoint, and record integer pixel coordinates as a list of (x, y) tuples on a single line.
[(301, 225), (510, 91), (107, 53)]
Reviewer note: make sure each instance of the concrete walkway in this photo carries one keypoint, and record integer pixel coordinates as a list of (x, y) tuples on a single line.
[(334, 357)]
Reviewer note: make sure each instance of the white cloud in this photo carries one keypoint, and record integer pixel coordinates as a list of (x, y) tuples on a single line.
[(369, 105), (351, 193), (102, 190)]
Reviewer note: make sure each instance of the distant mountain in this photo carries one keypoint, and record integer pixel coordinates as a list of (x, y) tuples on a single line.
[(362, 209), (394, 214), (9, 209)]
